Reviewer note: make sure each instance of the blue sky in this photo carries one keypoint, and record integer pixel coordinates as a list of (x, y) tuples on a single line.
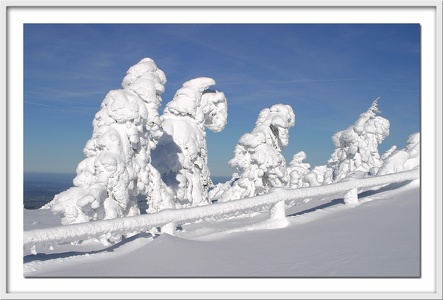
[(328, 73)]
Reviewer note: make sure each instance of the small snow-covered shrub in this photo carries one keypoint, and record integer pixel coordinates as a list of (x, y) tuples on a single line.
[(297, 171)]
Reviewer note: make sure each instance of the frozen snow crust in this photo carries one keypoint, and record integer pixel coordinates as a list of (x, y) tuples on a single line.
[(274, 202)]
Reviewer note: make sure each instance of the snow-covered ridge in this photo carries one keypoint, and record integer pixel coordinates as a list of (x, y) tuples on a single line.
[(167, 219)]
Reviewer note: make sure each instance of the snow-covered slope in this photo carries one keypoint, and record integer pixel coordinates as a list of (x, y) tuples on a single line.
[(379, 238)]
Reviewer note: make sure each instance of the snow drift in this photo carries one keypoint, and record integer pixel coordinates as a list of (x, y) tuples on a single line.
[(380, 238)]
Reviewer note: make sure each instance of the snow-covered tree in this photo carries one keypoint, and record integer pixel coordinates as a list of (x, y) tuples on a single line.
[(403, 159), (257, 155), (217, 190), (181, 155), (319, 175), (117, 168), (297, 171), (356, 148)]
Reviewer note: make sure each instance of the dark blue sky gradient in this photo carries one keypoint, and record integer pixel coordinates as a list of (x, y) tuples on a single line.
[(328, 73)]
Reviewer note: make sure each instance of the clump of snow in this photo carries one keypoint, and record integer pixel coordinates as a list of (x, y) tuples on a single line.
[(320, 175), (257, 155), (297, 171), (357, 146), (217, 190), (117, 168), (403, 159), (181, 155)]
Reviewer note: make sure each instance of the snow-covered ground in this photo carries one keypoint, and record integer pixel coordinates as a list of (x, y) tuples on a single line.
[(379, 238)]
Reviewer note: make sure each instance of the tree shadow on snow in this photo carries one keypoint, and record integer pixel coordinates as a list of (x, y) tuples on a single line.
[(322, 206), (49, 256), (386, 188)]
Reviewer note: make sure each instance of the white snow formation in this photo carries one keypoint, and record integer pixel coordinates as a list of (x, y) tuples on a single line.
[(117, 168), (356, 148), (123, 172), (138, 161), (404, 159), (297, 171), (181, 155), (257, 155)]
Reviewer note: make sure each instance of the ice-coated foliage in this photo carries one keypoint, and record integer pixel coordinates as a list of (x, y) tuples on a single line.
[(181, 155), (257, 155), (356, 148), (117, 168), (217, 190), (319, 175), (297, 171), (403, 159)]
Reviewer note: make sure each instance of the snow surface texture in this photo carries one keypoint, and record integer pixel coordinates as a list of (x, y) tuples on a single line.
[(181, 155), (357, 146), (257, 155), (379, 238), (273, 202)]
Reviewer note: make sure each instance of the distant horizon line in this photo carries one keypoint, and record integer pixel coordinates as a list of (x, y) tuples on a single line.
[(74, 173)]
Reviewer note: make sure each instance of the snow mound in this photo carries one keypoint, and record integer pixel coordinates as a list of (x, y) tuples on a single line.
[(404, 159)]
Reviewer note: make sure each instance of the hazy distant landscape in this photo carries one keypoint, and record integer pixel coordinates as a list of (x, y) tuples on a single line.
[(40, 188)]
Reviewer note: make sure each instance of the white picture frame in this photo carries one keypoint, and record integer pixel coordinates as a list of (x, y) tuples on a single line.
[(16, 13)]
